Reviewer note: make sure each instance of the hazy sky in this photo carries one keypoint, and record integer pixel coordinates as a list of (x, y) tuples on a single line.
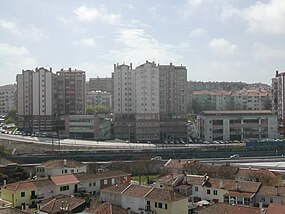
[(218, 40)]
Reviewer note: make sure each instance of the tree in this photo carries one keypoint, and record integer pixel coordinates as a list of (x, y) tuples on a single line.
[(98, 108), (11, 117), (19, 174), (267, 103)]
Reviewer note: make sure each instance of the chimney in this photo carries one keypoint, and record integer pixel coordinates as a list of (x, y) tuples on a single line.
[(129, 210), (276, 73), (260, 204), (131, 65), (221, 184), (65, 162), (114, 66), (276, 190), (170, 63), (5, 183)]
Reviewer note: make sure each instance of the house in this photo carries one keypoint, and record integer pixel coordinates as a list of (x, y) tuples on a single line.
[(45, 188), (60, 167), (271, 194), (65, 184), (108, 208), (223, 190), (134, 197), (19, 193), (62, 204), (93, 183), (113, 194), (275, 208), (222, 208), (163, 201), (169, 181), (265, 176)]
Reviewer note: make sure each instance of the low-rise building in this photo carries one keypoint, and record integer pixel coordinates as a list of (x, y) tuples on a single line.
[(60, 167), (275, 208), (271, 194), (88, 127), (237, 125), (65, 184)]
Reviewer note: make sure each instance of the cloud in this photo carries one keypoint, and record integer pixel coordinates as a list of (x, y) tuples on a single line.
[(139, 46), (222, 46), (263, 52), (13, 59), (197, 32), (266, 17), (24, 31), (87, 42), (87, 14)]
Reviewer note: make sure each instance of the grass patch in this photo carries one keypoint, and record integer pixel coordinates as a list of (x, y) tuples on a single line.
[(143, 178)]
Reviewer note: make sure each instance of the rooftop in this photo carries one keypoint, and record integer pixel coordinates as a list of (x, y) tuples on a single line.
[(221, 208), (276, 208), (164, 195), (61, 164), (64, 179), (137, 190)]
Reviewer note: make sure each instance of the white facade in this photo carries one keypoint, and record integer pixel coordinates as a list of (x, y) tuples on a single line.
[(135, 203), (237, 125), (7, 98)]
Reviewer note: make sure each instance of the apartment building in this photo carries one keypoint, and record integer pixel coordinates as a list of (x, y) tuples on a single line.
[(278, 106), (100, 84), (173, 101), (237, 125), (7, 98), (35, 100), (95, 98), (150, 101), (124, 101), (231, 100)]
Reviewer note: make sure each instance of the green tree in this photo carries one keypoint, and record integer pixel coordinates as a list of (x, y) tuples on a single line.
[(19, 174), (98, 108), (11, 117)]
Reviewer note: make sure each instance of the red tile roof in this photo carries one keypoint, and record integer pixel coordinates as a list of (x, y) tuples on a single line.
[(272, 191), (221, 208), (54, 204), (276, 209), (137, 190), (64, 179), (21, 185), (116, 189), (11, 210), (99, 175), (239, 194), (164, 195), (107, 208), (258, 172), (60, 164)]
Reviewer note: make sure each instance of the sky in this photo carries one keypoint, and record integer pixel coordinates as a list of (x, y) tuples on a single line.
[(217, 40)]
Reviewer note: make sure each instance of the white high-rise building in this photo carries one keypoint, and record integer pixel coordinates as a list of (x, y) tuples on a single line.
[(7, 98), (150, 101), (35, 100)]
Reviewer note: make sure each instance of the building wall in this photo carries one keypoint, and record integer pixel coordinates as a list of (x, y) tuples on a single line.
[(134, 203), (15, 196), (101, 84), (237, 126), (45, 172), (7, 98), (94, 98), (115, 199), (91, 186)]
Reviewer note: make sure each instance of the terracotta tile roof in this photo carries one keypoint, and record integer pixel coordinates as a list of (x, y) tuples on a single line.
[(107, 208), (21, 185), (137, 190), (116, 189), (43, 182), (272, 191), (221, 208), (11, 210), (276, 209), (99, 175), (185, 187), (54, 204), (164, 195), (169, 178), (239, 194), (64, 179), (60, 164), (242, 186), (178, 164), (258, 172)]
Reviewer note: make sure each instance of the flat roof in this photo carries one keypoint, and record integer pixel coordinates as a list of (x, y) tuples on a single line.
[(248, 112)]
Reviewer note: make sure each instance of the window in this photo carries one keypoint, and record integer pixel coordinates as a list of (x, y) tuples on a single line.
[(215, 192), (226, 199), (271, 200), (64, 188), (246, 201), (94, 183), (90, 184), (113, 181), (159, 205), (23, 194), (208, 191), (105, 181), (165, 206), (196, 189), (155, 204)]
